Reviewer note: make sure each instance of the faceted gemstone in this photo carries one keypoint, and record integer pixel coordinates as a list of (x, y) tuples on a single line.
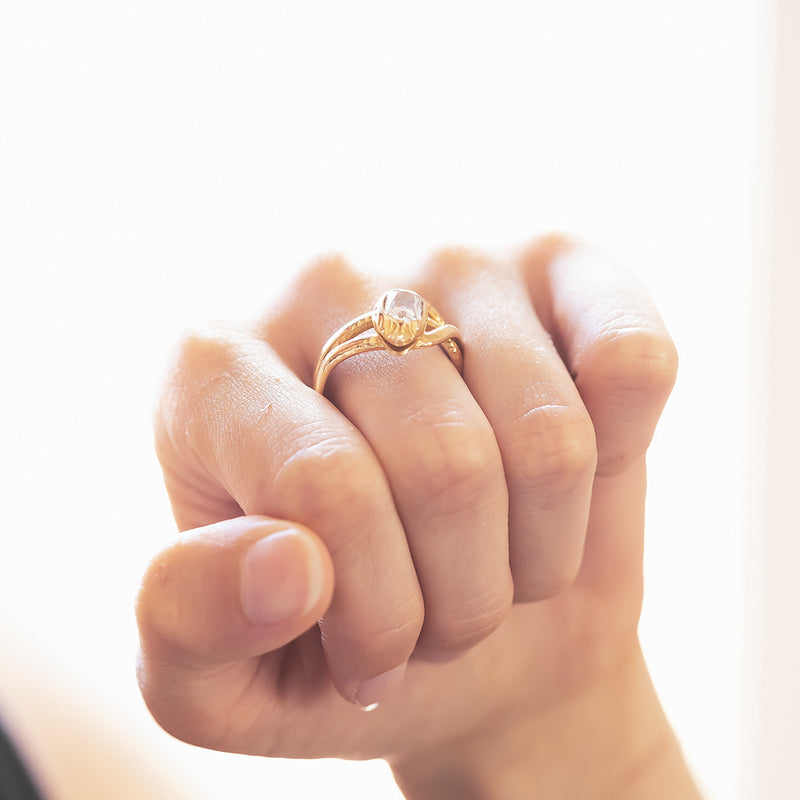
[(400, 317)]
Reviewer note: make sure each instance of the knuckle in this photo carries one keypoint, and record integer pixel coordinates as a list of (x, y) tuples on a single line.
[(324, 292), (551, 446), (470, 623), (383, 643), (549, 580), (330, 268), (205, 405), (455, 263), (203, 356), (328, 484), (202, 360), (456, 464), (197, 348), (331, 277), (537, 257), (635, 362)]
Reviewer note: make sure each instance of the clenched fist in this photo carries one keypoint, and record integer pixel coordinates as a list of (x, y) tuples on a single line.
[(464, 550)]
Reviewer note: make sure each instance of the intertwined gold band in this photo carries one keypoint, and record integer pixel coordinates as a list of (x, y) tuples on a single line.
[(400, 321)]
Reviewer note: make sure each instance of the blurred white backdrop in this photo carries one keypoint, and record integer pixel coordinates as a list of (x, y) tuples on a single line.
[(162, 163)]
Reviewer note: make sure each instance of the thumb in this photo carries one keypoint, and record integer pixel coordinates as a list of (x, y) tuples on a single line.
[(224, 596)]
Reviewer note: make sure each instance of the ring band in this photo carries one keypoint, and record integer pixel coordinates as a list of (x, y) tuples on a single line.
[(400, 321)]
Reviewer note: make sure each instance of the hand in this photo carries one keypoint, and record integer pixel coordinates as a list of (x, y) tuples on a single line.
[(471, 547)]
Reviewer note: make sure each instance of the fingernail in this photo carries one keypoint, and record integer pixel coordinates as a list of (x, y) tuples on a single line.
[(281, 578), (371, 692)]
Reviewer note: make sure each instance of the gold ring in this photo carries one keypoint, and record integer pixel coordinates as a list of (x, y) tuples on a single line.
[(400, 321)]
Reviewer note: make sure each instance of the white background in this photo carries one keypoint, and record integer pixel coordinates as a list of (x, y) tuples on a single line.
[(162, 163)]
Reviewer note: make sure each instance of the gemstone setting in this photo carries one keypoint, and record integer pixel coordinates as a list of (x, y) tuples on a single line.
[(400, 317)]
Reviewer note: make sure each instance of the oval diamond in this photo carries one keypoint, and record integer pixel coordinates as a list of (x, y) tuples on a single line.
[(400, 317)]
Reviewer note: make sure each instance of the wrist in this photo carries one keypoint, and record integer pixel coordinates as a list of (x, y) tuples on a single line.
[(612, 740)]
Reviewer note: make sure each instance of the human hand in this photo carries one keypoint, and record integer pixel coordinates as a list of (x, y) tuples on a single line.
[(472, 547)]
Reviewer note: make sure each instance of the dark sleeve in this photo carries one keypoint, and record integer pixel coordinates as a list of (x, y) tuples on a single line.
[(16, 782)]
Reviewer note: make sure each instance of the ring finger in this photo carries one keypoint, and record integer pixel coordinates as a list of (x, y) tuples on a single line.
[(440, 455)]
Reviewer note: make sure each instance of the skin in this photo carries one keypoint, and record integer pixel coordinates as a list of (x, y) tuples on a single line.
[(464, 551)]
